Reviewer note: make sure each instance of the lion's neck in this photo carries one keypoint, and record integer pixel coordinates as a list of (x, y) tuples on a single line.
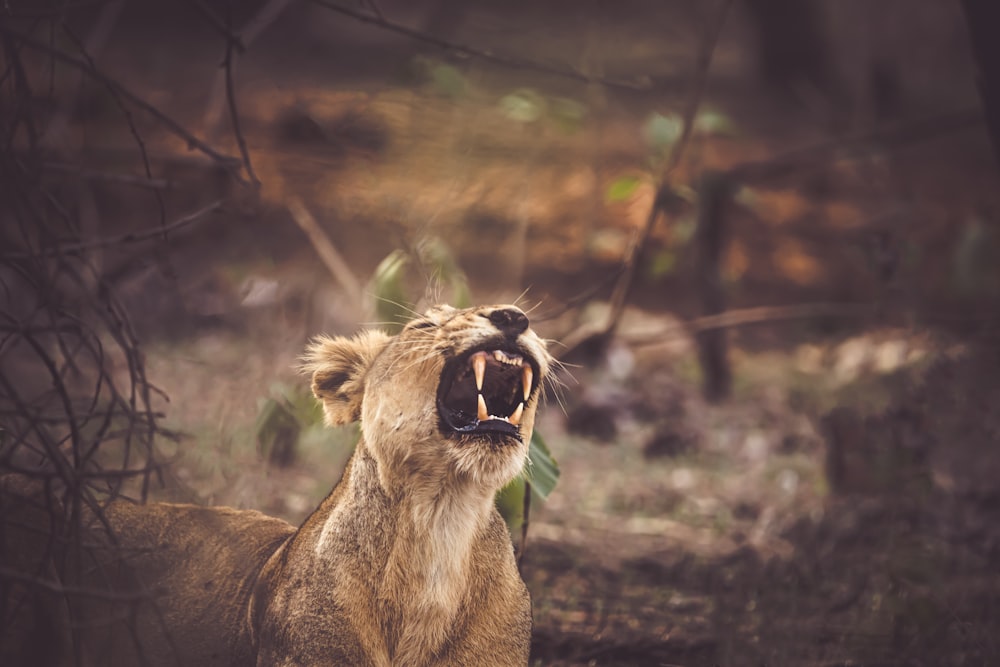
[(424, 559), (433, 569)]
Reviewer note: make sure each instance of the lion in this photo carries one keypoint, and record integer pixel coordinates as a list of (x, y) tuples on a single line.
[(406, 562)]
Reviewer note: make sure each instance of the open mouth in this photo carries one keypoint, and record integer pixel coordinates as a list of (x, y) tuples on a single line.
[(485, 392)]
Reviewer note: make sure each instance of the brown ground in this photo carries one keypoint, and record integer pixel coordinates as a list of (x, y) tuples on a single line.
[(681, 533)]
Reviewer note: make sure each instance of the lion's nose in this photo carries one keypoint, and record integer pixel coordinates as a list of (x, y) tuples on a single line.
[(510, 321)]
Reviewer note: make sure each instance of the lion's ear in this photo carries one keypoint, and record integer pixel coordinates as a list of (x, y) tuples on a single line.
[(338, 367)]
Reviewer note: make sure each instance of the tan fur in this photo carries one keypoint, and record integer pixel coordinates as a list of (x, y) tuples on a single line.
[(406, 562)]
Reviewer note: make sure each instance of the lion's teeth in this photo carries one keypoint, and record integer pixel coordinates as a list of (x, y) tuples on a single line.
[(479, 368), (509, 359), (515, 418), (526, 378), (483, 414)]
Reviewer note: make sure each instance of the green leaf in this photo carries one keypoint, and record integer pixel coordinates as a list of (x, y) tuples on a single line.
[(392, 304), (622, 189), (523, 106), (277, 431), (567, 113), (437, 258), (542, 470), (663, 264), (510, 504), (447, 80), (714, 123), (661, 132)]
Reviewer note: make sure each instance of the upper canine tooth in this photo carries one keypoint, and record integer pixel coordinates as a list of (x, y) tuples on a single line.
[(526, 377), (515, 418), (479, 368), (482, 413)]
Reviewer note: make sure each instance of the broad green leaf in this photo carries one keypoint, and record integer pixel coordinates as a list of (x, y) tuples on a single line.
[(622, 189), (542, 470), (523, 106), (510, 504)]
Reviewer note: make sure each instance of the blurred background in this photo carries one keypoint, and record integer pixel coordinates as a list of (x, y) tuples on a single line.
[(760, 234)]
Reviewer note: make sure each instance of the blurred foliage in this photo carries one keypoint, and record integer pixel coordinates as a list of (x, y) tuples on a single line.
[(526, 105), (974, 272), (523, 106), (714, 123), (393, 283), (661, 132), (622, 189), (282, 418), (444, 79)]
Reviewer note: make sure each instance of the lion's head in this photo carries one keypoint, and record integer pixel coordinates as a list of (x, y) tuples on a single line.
[(455, 392)]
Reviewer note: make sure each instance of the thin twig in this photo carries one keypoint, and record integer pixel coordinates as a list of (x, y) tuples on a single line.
[(172, 125), (902, 132), (131, 237), (9, 574), (267, 15), (220, 26), (508, 61), (525, 521), (111, 177), (93, 46), (127, 113), (327, 252), (702, 66), (234, 116), (756, 315)]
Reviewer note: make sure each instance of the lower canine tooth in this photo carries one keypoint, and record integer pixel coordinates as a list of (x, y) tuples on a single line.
[(515, 418), (482, 413)]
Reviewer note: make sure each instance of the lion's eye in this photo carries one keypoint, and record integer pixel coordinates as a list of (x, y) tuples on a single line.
[(421, 324)]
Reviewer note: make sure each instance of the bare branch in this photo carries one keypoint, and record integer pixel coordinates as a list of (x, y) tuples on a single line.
[(175, 127), (126, 179), (326, 250), (900, 133), (758, 315), (93, 46), (267, 15), (131, 237), (379, 20), (234, 116), (663, 192)]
